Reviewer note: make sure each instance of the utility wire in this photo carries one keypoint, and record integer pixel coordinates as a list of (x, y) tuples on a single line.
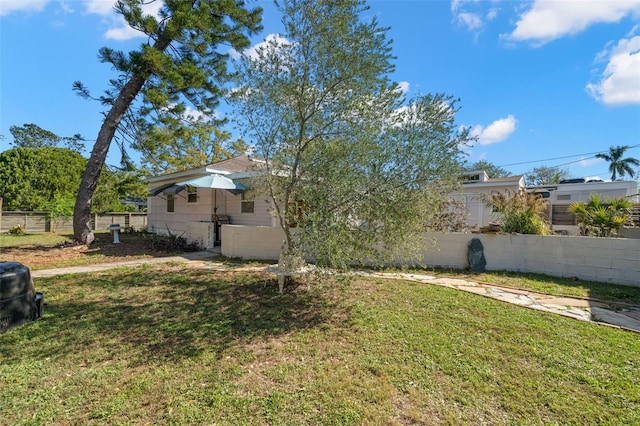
[(566, 156)]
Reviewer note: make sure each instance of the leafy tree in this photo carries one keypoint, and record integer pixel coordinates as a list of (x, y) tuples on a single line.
[(520, 212), (175, 147), (618, 165), (31, 178), (47, 179), (492, 170), (115, 185), (600, 217), (179, 64), (60, 207), (33, 136), (346, 159), (545, 175)]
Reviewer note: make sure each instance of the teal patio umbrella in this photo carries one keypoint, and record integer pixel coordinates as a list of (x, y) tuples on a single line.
[(214, 181)]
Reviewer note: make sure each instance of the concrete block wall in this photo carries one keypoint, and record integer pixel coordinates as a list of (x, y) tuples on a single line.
[(612, 260), (252, 242)]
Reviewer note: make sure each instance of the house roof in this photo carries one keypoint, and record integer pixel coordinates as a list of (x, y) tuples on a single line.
[(242, 163), (239, 164)]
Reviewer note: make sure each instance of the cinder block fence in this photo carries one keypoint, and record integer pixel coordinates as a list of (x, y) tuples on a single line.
[(611, 260)]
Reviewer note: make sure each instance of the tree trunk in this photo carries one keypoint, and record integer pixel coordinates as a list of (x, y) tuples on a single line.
[(82, 231)]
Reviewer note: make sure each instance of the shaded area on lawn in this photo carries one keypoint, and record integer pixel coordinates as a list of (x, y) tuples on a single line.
[(172, 345), (161, 318)]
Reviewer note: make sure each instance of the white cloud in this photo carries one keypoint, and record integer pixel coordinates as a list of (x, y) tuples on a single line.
[(470, 20), (403, 87), (472, 14), (620, 81), (588, 162), (117, 28), (99, 7), (11, 6), (492, 14), (66, 8), (495, 132), (547, 20), (121, 32), (252, 52)]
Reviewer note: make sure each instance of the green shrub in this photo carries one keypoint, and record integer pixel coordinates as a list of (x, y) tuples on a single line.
[(601, 218), (18, 230), (520, 212), (170, 243)]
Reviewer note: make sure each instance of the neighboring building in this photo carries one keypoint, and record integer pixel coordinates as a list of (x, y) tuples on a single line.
[(195, 203), (567, 192), (477, 186), (139, 203)]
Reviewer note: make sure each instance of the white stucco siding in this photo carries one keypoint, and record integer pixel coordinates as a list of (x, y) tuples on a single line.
[(479, 213), (160, 220), (261, 215)]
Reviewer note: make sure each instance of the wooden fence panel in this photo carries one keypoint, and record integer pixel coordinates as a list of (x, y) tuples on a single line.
[(38, 221)]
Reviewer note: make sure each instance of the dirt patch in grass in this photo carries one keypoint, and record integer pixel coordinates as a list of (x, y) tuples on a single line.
[(102, 250)]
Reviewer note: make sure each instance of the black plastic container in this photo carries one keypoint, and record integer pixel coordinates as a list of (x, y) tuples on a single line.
[(19, 301)]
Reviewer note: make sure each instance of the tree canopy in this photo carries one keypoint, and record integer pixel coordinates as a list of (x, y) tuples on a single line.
[(356, 166), (492, 170), (174, 147), (179, 66), (47, 179), (34, 136), (545, 175), (619, 166)]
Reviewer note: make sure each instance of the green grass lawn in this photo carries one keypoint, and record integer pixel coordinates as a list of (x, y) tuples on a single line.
[(44, 238), (554, 285), (171, 345)]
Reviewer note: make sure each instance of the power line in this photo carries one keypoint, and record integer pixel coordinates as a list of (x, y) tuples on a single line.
[(561, 158)]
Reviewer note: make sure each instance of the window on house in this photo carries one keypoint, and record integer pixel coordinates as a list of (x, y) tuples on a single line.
[(171, 203), (470, 178), (192, 194), (247, 204)]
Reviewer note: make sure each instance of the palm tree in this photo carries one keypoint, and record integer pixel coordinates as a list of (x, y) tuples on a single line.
[(617, 164)]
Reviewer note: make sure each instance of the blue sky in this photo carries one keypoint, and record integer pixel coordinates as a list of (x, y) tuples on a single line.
[(538, 80)]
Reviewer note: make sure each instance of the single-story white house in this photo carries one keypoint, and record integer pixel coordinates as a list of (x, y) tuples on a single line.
[(476, 185), (195, 203)]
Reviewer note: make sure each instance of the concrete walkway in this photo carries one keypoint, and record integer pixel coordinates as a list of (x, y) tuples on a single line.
[(185, 257), (584, 309)]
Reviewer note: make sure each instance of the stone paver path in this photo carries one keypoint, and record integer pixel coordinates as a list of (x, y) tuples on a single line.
[(618, 314)]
